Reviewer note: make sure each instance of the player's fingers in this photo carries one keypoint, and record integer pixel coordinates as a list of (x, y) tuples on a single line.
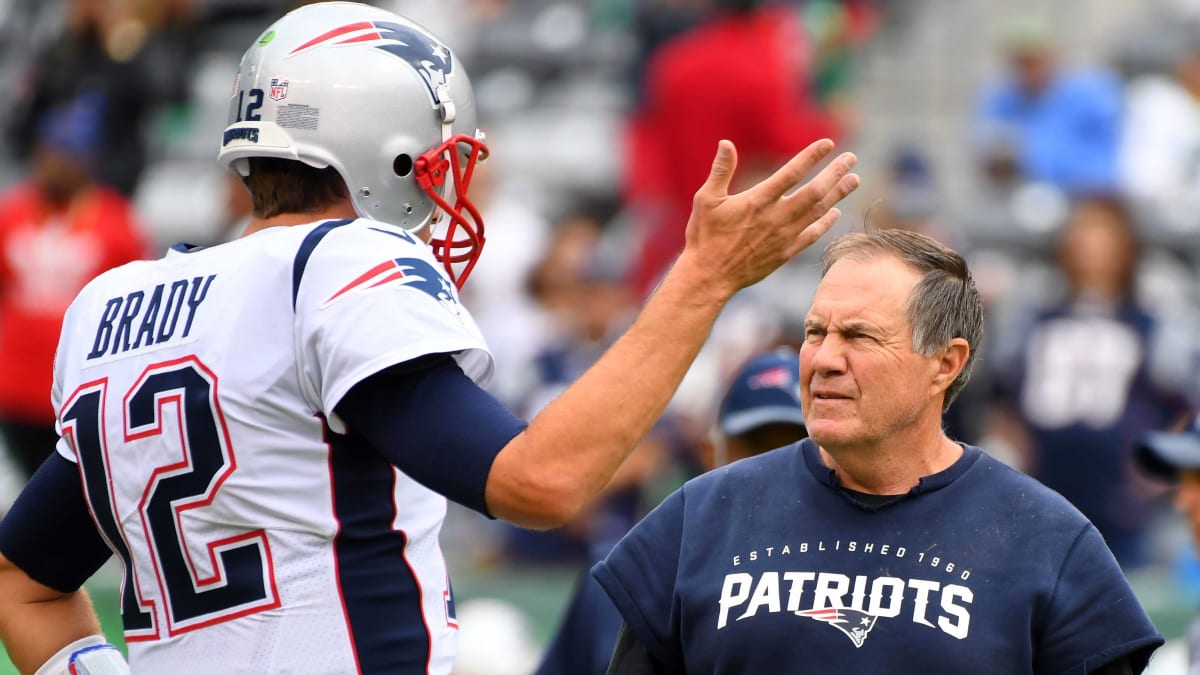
[(717, 184), (814, 191), (791, 174), (845, 185), (813, 232)]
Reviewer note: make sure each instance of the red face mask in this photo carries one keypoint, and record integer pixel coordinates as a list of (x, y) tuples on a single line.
[(460, 247)]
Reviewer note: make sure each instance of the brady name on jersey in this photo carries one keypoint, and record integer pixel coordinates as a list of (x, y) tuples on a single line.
[(125, 324)]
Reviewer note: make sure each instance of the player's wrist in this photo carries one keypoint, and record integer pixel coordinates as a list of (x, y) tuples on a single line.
[(701, 283), (92, 655)]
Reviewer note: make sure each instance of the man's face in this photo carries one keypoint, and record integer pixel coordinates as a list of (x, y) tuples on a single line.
[(1187, 500), (1097, 250), (860, 380), (59, 175), (1034, 67)]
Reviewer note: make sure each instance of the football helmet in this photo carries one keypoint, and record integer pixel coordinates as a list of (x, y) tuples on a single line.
[(382, 101)]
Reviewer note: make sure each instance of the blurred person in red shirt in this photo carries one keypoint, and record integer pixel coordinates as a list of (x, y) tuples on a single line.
[(743, 74), (58, 229)]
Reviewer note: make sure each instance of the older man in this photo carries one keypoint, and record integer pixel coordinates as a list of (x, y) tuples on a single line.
[(879, 544)]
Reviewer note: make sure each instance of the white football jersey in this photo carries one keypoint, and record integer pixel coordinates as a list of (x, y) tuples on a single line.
[(197, 394)]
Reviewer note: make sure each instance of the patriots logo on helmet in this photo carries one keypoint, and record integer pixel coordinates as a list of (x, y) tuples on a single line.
[(412, 272), (430, 58), (851, 622)]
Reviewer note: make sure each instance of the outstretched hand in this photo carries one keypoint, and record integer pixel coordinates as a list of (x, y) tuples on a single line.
[(736, 240)]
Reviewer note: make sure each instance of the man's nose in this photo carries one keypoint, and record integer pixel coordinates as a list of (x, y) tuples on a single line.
[(829, 356)]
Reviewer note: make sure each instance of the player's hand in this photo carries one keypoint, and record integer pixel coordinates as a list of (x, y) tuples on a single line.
[(734, 241)]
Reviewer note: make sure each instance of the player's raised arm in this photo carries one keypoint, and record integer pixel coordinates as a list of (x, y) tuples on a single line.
[(329, 373), (546, 474)]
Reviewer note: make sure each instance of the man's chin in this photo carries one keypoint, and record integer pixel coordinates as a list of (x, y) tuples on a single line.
[(827, 433)]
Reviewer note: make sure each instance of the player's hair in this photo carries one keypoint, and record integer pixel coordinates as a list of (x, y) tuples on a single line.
[(944, 305), (286, 186)]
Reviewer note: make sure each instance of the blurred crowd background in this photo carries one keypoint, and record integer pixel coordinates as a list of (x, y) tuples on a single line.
[(1056, 145)]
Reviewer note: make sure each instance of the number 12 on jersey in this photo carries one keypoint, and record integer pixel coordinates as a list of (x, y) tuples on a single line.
[(242, 578)]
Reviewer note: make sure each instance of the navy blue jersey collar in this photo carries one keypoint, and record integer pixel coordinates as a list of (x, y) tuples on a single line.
[(828, 477)]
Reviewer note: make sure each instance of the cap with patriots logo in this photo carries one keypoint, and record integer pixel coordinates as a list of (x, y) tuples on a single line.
[(765, 391)]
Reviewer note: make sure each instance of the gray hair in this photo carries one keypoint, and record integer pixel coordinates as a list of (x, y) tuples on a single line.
[(943, 305)]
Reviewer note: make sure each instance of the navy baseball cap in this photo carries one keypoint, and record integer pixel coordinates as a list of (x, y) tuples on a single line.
[(765, 391), (1163, 453), (74, 129)]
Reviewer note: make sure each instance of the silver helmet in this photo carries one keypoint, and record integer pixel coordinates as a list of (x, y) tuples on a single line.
[(379, 99)]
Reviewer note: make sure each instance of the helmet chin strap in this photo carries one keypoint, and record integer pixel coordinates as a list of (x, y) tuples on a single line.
[(449, 113)]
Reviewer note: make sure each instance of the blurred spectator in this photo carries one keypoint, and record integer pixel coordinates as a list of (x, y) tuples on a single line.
[(1174, 457), (759, 412), (761, 408), (1090, 372), (655, 22), (102, 54), (500, 300), (57, 230), (910, 200), (743, 74), (837, 28), (1055, 125), (1160, 150), (582, 285), (572, 244)]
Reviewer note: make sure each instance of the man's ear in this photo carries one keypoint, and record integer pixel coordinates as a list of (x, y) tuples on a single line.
[(948, 364)]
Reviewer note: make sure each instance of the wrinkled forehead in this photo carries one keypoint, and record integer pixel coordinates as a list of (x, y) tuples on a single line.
[(875, 288)]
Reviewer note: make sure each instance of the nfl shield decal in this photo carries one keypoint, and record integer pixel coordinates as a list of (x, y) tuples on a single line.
[(278, 90)]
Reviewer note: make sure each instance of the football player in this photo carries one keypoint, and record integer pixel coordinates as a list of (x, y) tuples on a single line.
[(265, 432)]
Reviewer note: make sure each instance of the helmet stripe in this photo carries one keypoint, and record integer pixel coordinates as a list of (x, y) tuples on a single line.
[(350, 28), (365, 37)]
